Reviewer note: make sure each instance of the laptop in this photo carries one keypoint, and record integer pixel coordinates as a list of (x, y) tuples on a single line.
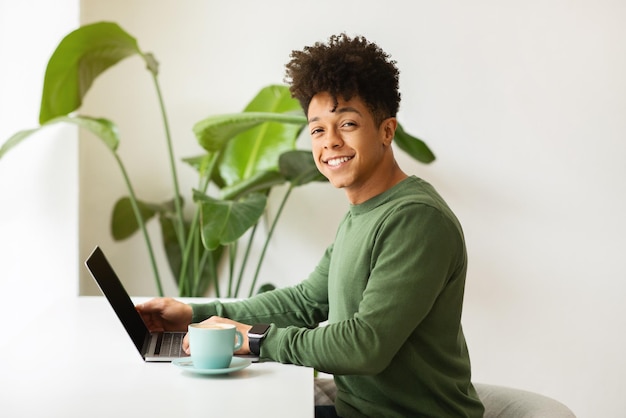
[(152, 346)]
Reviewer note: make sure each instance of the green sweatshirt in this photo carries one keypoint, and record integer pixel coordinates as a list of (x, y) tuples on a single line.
[(391, 288)]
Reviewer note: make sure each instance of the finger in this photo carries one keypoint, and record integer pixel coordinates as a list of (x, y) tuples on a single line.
[(213, 320), (149, 306)]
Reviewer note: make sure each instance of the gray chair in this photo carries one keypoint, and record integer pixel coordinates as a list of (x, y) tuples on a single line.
[(499, 401), (505, 402)]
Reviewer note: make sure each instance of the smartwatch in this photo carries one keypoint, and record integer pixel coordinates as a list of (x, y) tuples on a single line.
[(255, 336)]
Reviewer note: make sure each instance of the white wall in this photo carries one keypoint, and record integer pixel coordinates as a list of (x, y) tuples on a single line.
[(38, 179), (522, 102)]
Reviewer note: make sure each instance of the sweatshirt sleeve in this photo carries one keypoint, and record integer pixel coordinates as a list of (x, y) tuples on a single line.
[(409, 302), (304, 305), (410, 285)]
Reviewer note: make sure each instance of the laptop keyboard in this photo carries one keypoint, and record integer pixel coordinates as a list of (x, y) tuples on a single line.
[(170, 344)]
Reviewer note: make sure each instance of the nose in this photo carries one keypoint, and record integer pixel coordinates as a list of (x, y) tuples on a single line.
[(332, 139)]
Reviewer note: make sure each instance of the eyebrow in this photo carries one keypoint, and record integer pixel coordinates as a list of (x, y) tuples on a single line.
[(345, 109)]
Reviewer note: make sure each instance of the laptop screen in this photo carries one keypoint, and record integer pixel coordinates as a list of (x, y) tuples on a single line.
[(114, 291)]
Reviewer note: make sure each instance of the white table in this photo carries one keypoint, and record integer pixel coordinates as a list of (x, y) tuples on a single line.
[(77, 361)]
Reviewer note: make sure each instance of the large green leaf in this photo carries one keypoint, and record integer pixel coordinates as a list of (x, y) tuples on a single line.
[(15, 140), (274, 98), (200, 162), (413, 146), (102, 128), (123, 221), (267, 287), (259, 182), (78, 60), (215, 131), (299, 168), (225, 221), (258, 149)]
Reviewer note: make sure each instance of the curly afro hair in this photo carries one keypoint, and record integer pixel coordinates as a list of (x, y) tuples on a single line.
[(346, 67)]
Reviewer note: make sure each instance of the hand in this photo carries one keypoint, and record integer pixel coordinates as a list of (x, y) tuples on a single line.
[(243, 328), (165, 314)]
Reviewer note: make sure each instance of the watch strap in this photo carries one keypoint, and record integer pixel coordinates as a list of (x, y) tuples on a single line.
[(255, 345), (254, 340)]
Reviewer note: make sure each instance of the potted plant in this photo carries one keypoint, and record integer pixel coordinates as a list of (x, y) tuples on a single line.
[(247, 154)]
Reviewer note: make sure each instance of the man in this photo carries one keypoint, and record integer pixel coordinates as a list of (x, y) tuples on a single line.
[(390, 286)]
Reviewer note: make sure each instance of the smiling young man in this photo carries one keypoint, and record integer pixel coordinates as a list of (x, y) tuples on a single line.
[(350, 148), (390, 286)]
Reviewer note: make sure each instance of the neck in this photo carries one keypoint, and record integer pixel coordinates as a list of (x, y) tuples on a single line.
[(393, 175)]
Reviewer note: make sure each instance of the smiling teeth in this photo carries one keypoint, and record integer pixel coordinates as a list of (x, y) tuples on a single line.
[(336, 161)]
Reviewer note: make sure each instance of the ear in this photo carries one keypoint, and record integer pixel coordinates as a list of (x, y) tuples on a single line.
[(388, 130)]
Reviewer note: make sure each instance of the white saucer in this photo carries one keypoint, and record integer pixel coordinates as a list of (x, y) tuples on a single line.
[(187, 365)]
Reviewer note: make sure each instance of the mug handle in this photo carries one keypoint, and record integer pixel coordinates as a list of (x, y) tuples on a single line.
[(238, 340)]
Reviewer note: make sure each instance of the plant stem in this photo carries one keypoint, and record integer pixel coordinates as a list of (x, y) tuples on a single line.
[(232, 257), (244, 262), (195, 272), (216, 283), (203, 186), (177, 203), (269, 236), (140, 221), (197, 279), (186, 250)]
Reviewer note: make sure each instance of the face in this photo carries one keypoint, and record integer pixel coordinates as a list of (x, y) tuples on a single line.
[(348, 148)]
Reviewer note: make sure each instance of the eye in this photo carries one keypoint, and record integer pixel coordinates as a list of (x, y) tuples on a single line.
[(348, 124), (316, 131)]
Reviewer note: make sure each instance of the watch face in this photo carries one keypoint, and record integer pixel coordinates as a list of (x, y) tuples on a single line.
[(259, 329)]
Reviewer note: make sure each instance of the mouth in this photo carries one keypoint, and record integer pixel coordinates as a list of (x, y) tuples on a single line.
[(337, 161)]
